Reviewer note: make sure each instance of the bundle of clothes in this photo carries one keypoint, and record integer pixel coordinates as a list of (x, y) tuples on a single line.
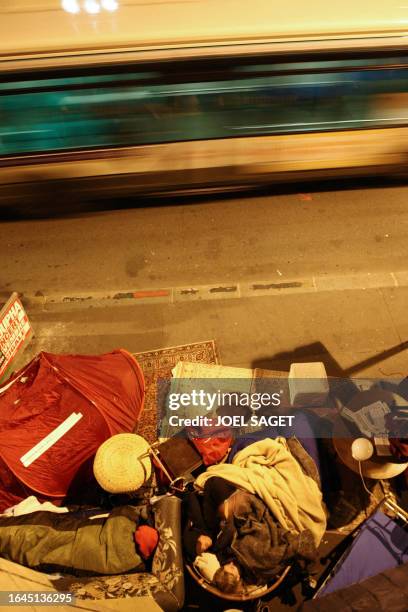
[(255, 515)]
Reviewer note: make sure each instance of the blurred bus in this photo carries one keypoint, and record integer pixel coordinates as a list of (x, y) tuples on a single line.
[(117, 97)]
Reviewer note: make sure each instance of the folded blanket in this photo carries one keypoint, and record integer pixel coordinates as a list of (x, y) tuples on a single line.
[(268, 469)]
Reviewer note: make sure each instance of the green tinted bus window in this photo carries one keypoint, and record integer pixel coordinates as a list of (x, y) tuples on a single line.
[(97, 111)]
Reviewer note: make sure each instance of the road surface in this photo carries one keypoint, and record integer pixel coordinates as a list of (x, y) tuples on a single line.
[(321, 270)]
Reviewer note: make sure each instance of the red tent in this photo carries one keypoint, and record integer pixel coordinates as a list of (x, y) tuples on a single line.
[(105, 393)]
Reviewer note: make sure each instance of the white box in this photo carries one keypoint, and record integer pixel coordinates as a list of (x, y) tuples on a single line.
[(308, 384)]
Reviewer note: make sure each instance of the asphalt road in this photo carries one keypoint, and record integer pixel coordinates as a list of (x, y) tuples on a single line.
[(221, 240), (352, 234)]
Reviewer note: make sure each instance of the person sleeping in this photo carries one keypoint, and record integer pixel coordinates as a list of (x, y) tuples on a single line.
[(249, 543), (115, 543), (228, 578), (205, 515)]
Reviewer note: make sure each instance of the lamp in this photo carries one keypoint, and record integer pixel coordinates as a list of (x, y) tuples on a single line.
[(71, 6), (110, 5), (362, 449), (92, 7)]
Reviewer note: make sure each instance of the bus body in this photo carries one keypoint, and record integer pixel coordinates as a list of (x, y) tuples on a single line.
[(103, 97)]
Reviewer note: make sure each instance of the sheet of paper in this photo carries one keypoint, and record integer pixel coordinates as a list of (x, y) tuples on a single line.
[(370, 419)]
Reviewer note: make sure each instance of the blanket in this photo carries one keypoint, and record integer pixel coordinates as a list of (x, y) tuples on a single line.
[(268, 469), (260, 545), (70, 543)]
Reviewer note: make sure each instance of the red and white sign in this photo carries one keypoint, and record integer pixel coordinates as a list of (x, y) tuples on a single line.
[(15, 331)]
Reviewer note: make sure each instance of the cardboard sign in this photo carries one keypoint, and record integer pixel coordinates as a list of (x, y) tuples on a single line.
[(15, 332)]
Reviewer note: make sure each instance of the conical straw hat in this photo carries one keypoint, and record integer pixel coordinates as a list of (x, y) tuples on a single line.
[(122, 463)]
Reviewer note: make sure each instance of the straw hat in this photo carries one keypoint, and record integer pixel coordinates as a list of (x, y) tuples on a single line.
[(122, 463)]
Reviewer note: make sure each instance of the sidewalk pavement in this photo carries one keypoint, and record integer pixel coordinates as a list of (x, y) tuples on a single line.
[(354, 331)]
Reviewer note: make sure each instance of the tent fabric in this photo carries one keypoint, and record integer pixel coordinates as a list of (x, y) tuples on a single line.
[(108, 390), (381, 545), (384, 592)]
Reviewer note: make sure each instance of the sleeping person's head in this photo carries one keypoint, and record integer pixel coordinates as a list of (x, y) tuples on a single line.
[(218, 491), (228, 578)]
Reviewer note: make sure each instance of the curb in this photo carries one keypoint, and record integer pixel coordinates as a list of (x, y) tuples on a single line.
[(217, 291)]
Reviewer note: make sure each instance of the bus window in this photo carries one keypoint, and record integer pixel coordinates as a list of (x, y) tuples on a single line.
[(155, 106)]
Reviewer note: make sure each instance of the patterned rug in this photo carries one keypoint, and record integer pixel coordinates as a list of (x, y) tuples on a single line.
[(157, 365)]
